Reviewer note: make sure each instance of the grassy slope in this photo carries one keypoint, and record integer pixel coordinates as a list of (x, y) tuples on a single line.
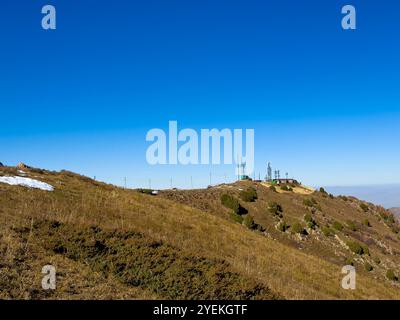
[(176, 241)]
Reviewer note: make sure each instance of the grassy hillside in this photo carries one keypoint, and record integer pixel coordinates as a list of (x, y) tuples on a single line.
[(108, 242)]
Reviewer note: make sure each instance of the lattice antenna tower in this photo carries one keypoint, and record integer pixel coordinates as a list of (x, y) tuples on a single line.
[(269, 172)]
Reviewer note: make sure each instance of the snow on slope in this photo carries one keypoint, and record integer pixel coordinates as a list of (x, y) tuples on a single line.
[(26, 182)]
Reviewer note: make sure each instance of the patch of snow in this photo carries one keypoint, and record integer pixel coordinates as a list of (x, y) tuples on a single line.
[(26, 182), (22, 173)]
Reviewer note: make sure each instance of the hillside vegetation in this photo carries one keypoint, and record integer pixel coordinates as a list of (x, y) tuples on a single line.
[(237, 241)]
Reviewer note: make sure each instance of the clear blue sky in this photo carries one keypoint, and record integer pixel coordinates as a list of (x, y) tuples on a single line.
[(324, 102)]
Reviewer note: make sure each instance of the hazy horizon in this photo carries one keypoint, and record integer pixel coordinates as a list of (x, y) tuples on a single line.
[(386, 195)]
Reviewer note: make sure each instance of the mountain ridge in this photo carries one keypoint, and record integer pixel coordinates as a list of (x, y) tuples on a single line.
[(109, 242)]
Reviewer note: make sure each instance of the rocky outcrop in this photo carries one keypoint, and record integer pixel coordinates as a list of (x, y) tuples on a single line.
[(22, 166)]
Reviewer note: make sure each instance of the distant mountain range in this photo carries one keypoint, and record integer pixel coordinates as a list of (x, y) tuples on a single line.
[(387, 195), (395, 211)]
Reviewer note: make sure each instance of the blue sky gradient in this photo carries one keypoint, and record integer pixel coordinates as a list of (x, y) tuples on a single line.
[(324, 102)]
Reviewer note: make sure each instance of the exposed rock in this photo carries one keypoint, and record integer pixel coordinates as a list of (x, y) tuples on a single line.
[(22, 165)]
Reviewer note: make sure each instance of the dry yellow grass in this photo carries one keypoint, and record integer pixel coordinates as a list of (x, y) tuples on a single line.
[(287, 271), (303, 190)]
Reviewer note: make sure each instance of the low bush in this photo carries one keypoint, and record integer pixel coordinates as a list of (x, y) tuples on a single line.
[(327, 231), (391, 218), (248, 221), (364, 207), (368, 267), (286, 188), (351, 225), (236, 217), (391, 275), (367, 223), (337, 225), (310, 221), (275, 208), (357, 248), (387, 216), (230, 202), (283, 226), (298, 228), (248, 195), (322, 190), (272, 188), (308, 217), (395, 228), (310, 202), (260, 228), (145, 191)]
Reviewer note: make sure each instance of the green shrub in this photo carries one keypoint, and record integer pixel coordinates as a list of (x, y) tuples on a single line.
[(248, 221), (298, 228), (367, 223), (310, 202), (322, 190), (312, 224), (286, 188), (391, 275), (358, 248), (387, 216), (351, 225), (230, 202), (145, 191), (337, 225), (391, 218), (355, 247), (368, 267), (260, 228), (310, 221), (282, 226), (349, 261), (272, 188), (236, 217), (377, 260), (308, 217), (248, 195), (364, 207), (275, 208), (327, 231), (365, 249), (395, 228)]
